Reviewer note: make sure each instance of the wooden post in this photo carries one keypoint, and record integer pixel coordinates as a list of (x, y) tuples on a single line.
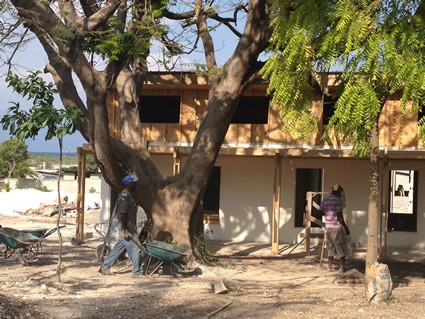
[(176, 162), (307, 221), (385, 184), (309, 218), (81, 177), (276, 205)]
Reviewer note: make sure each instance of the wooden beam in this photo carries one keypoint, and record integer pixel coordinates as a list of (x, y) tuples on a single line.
[(309, 218), (176, 162), (276, 204), (81, 178)]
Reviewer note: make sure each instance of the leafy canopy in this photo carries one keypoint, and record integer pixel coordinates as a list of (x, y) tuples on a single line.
[(376, 46), (42, 114)]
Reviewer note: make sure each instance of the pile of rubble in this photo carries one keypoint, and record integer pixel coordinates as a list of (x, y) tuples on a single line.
[(68, 208)]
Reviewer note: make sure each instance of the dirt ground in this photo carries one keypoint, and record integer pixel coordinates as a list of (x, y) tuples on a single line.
[(260, 285)]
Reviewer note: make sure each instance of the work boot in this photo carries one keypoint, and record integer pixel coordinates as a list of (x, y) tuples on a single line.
[(106, 272)]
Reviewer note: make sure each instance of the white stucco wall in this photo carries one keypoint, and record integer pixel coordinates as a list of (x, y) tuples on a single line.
[(245, 199), (246, 192)]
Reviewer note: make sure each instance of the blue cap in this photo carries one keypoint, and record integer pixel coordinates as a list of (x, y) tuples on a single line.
[(128, 180)]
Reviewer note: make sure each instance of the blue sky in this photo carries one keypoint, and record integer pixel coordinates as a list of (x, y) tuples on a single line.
[(34, 58)]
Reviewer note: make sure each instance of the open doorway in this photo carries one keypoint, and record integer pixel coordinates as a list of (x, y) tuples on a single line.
[(402, 215), (307, 180)]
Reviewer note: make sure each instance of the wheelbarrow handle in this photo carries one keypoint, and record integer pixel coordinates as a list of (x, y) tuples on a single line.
[(51, 231)]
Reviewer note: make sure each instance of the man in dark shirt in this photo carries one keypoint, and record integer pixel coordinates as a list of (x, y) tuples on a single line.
[(126, 210)]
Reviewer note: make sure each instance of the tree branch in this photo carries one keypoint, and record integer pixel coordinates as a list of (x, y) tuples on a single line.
[(102, 15), (89, 7), (208, 43), (70, 16)]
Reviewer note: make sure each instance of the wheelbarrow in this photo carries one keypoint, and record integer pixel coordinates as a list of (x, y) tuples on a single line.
[(168, 256), (27, 243)]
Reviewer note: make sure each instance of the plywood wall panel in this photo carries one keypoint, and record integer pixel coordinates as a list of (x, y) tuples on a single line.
[(188, 116), (201, 106), (244, 134), (275, 133), (231, 137), (409, 127)]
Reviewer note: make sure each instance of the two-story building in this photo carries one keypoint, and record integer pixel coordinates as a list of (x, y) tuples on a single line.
[(257, 191)]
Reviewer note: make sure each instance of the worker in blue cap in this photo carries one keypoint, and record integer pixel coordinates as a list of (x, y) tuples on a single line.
[(126, 211)]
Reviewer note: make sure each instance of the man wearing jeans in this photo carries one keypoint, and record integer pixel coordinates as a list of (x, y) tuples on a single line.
[(336, 228), (126, 211)]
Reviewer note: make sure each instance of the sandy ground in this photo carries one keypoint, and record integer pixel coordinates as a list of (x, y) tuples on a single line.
[(259, 284)]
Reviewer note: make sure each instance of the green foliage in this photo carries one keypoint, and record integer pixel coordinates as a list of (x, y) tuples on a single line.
[(6, 187), (13, 158), (91, 164), (357, 111), (120, 44), (289, 69), (30, 184), (377, 46), (200, 244), (392, 300), (43, 114), (115, 46), (36, 160)]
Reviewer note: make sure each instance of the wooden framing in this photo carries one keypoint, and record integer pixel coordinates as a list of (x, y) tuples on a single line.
[(311, 219), (176, 162), (81, 178), (276, 204), (397, 128)]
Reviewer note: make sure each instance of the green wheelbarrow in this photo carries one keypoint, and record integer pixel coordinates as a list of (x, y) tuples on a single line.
[(27, 243), (164, 255)]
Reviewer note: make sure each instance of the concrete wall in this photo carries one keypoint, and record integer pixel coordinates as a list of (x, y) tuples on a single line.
[(246, 197)]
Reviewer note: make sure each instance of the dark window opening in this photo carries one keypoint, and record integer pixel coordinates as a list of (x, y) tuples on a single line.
[(403, 200), (328, 108), (211, 200), (159, 109), (252, 110), (307, 180)]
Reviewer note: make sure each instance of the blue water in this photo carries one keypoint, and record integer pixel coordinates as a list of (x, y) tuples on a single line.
[(57, 154)]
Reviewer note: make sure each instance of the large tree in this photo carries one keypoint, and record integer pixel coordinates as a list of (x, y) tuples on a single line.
[(378, 47), (74, 33)]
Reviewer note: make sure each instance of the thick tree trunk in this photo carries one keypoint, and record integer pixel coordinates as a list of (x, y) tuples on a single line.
[(169, 202), (171, 214)]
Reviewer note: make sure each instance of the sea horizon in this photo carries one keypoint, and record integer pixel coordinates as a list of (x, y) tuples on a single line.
[(56, 154)]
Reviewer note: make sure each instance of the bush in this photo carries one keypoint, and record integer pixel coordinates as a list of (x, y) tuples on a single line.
[(6, 187), (200, 243), (26, 183)]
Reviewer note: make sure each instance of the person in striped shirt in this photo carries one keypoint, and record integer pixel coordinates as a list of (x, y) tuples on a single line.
[(336, 228)]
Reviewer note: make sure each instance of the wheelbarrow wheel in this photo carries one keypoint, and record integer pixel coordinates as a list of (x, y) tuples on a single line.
[(176, 270), (99, 254), (25, 256)]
